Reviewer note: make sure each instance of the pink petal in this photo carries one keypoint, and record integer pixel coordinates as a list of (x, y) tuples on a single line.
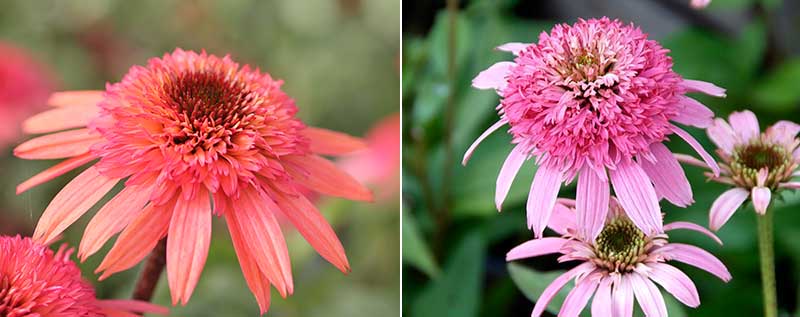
[(137, 240), (691, 160), (513, 47), (722, 135), (562, 221), (696, 257), (790, 185), (256, 280), (253, 215), (188, 240), (551, 290), (493, 77), (698, 148), (699, 4), (75, 98), (675, 282), (637, 196), (746, 125), (649, 297), (314, 228), (591, 203), (542, 198), (480, 139), (722, 209), (694, 114), (578, 297), (58, 145), (761, 197), (112, 218), (623, 297), (701, 86), (321, 175), (602, 304), (328, 142), (536, 247), (55, 171), (783, 132), (507, 173), (668, 177), (693, 227), (61, 118), (71, 203)]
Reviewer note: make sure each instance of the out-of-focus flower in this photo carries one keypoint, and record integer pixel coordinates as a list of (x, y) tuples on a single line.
[(596, 100), (379, 164), (756, 164), (699, 4), (24, 87), (193, 135), (618, 266), (35, 281)]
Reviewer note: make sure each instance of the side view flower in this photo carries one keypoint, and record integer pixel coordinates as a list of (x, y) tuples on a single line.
[(191, 135), (39, 282), (25, 86), (596, 100), (623, 263)]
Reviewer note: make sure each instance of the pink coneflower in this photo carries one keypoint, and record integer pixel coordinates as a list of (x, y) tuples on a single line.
[(35, 281), (24, 86), (379, 164), (756, 164), (191, 135), (699, 4), (596, 99), (619, 265)]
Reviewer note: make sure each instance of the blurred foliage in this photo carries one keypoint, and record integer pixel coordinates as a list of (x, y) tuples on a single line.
[(327, 52), (446, 221)]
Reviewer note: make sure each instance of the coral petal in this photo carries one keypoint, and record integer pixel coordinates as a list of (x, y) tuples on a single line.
[(188, 239), (112, 218), (321, 175), (60, 119), (256, 280), (58, 145), (327, 142), (55, 171), (75, 98)]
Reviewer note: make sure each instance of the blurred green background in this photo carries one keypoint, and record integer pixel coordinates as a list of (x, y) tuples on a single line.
[(454, 240), (339, 60)]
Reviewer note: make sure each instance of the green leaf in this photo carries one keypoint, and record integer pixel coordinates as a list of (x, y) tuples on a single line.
[(415, 250), (532, 283), (457, 292), (778, 90)]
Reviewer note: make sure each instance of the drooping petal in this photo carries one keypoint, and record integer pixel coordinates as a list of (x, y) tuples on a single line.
[(701, 86), (71, 203), (188, 240), (536, 247), (75, 98), (691, 160), (562, 221), (507, 173), (761, 197), (493, 77), (623, 297), (722, 135), (722, 209), (693, 227), (637, 196), (480, 139), (696, 257), (783, 132), (694, 113), (602, 304), (321, 175), (314, 228), (578, 297), (513, 47), (257, 281), (649, 297), (112, 218), (61, 118), (253, 215), (591, 203), (137, 239), (542, 198), (55, 171), (675, 282), (328, 142), (698, 148), (132, 306), (746, 124), (551, 290), (668, 177), (58, 145)]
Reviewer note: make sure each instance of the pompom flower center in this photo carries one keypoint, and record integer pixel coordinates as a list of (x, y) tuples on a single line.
[(621, 245), (747, 160)]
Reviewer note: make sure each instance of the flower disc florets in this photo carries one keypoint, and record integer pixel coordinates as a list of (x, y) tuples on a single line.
[(747, 160)]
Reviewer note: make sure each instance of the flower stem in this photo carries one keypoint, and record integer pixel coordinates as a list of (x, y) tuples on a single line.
[(766, 251), (151, 272)]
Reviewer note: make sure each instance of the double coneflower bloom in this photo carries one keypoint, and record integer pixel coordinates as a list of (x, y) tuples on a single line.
[(191, 136)]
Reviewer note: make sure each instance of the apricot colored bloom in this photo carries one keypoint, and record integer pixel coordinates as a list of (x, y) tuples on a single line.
[(190, 136), (379, 164), (24, 86), (756, 164), (595, 100), (37, 282), (621, 264)]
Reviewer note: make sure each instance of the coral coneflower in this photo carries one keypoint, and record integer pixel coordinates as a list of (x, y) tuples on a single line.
[(24, 86), (35, 281), (192, 135), (596, 99), (756, 164), (619, 265)]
